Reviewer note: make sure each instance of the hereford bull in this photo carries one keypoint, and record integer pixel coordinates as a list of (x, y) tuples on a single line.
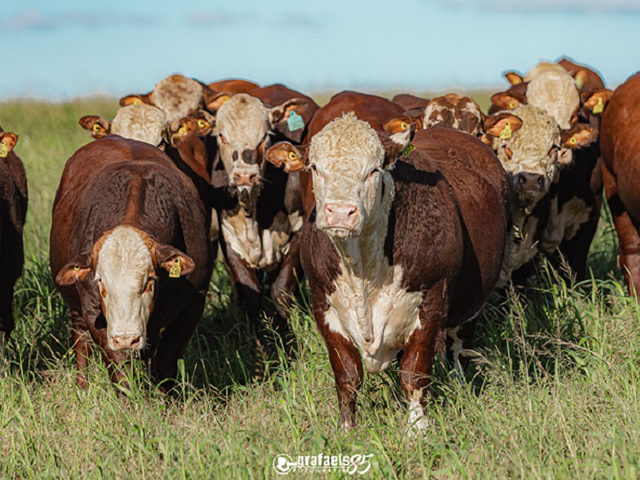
[(620, 141), (130, 255), (13, 212), (406, 240)]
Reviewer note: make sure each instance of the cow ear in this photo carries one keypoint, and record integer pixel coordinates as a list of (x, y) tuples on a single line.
[(293, 158), (508, 100), (581, 78), (181, 129), (78, 269), (397, 145), (401, 123), (596, 100), (502, 125), (145, 99), (98, 126), (214, 100), (513, 78), (177, 263), (205, 122), (579, 136), (290, 111), (8, 140)]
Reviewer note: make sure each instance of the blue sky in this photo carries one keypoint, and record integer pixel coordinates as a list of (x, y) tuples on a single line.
[(63, 48)]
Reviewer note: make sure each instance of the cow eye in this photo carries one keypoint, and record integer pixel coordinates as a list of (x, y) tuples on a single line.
[(373, 172), (313, 167), (149, 283)]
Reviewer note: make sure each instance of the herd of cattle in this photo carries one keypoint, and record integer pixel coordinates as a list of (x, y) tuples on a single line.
[(403, 215)]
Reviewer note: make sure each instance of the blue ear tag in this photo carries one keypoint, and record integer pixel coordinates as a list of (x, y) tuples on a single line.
[(295, 122)]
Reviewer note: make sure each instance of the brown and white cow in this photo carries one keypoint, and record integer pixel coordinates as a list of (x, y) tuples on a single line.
[(404, 242), (13, 212), (620, 140), (572, 219), (130, 254), (258, 205)]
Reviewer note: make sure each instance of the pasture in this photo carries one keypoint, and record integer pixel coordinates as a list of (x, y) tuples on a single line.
[(554, 392)]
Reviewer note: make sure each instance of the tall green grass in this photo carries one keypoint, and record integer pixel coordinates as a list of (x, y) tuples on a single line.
[(553, 392)]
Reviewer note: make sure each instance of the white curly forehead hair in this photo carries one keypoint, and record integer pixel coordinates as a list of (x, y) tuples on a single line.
[(347, 138)]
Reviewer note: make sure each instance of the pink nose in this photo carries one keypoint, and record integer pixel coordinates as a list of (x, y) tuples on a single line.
[(341, 215), (125, 341), (242, 179)]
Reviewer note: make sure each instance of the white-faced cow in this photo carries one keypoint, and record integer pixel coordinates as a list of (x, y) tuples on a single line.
[(406, 240)]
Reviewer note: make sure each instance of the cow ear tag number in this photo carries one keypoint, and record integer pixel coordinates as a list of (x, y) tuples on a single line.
[(176, 269), (506, 131), (599, 107), (408, 149), (295, 122)]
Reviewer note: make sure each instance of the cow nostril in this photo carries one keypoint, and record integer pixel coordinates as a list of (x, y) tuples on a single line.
[(541, 181), (135, 342), (352, 211), (522, 180), (253, 178)]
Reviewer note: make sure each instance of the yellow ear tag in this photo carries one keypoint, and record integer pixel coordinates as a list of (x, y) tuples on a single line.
[(512, 105), (408, 149), (573, 140), (292, 155), (202, 124), (224, 100), (176, 269), (76, 268), (137, 101), (96, 127), (3, 150), (599, 107), (182, 130), (506, 131), (579, 82), (404, 125)]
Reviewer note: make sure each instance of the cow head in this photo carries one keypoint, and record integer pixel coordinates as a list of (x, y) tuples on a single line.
[(349, 161), (533, 149), (8, 140), (137, 122), (453, 110), (124, 266), (243, 128)]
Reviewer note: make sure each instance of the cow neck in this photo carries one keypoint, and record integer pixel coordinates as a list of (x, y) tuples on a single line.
[(364, 264)]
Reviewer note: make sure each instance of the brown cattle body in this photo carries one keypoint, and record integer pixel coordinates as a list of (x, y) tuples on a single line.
[(114, 185), (13, 212), (620, 141)]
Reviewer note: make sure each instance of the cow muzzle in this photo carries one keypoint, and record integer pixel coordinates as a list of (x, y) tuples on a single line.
[(126, 342), (529, 187), (341, 219)]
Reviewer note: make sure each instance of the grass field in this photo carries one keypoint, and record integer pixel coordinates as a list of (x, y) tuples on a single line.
[(554, 392)]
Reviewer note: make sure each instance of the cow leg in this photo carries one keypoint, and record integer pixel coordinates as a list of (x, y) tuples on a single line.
[(7, 322), (347, 372), (173, 342), (628, 238), (285, 287), (248, 288), (459, 339), (419, 353), (81, 339)]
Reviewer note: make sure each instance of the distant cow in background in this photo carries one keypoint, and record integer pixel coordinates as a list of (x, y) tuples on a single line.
[(13, 211), (406, 240), (130, 255)]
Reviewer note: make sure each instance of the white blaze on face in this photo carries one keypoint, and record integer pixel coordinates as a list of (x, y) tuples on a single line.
[(346, 158), (123, 269), (542, 68), (243, 125), (556, 92), (139, 122)]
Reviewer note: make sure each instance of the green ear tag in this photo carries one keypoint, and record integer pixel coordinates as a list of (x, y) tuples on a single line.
[(295, 122), (599, 107), (176, 269), (408, 149)]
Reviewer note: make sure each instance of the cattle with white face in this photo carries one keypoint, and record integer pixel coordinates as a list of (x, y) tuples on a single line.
[(13, 212), (258, 205), (406, 240), (572, 218), (130, 255)]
